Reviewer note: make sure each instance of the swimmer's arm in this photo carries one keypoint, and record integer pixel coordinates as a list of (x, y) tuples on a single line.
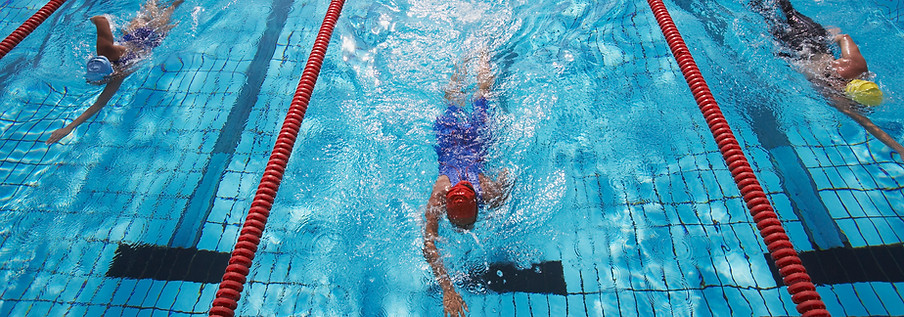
[(102, 100), (453, 304), (849, 49), (845, 106), (105, 45), (431, 231), (851, 63), (495, 193)]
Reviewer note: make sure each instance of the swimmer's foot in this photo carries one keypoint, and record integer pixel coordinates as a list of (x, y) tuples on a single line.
[(764, 7), (757, 5), (485, 78), (455, 90)]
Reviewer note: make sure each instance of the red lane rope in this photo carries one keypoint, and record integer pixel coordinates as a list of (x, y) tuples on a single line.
[(243, 253), (794, 275), (28, 26)]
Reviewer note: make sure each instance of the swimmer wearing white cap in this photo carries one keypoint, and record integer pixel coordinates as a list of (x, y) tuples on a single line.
[(115, 58)]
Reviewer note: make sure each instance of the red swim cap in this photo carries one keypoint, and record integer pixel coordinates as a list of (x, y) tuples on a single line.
[(461, 204)]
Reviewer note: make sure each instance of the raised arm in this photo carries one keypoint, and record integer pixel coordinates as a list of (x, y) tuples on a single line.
[(105, 45), (851, 64), (846, 106), (453, 304), (102, 100), (849, 49)]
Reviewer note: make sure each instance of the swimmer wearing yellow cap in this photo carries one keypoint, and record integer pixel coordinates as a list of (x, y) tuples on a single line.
[(864, 92), (808, 42), (851, 67)]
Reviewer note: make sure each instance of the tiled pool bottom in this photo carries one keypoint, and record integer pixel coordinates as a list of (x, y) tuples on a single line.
[(674, 244), (893, 9)]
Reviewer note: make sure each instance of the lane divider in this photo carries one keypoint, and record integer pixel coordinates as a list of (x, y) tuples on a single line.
[(28, 26), (794, 275), (233, 282)]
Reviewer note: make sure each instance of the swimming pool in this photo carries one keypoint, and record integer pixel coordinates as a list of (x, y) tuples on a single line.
[(617, 177)]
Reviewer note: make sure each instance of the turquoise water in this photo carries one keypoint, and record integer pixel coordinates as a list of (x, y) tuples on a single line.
[(616, 174)]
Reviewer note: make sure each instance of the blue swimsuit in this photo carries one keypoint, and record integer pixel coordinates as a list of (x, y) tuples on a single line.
[(461, 143), (143, 38)]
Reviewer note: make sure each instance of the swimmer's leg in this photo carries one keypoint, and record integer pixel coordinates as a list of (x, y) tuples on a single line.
[(105, 46), (152, 16), (485, 79), (454, 92), (480, 114), (172, 7), (796, 32), (767, 9), (803, 35), (148, 13), (167, 14), (786, 7)]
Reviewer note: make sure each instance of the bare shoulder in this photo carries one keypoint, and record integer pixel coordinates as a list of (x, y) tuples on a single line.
[(442, 185), (496, 192), (437, 198)]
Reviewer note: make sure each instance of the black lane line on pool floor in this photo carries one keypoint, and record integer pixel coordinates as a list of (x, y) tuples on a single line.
[(797, 183), (877, 263), (188, 231), (180, 260)]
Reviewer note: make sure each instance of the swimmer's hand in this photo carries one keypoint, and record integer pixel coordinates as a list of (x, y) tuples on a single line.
[(453, 304), (835, 34), (57, 135)]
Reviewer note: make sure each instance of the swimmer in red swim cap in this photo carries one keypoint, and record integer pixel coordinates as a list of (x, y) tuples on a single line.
[(461, 145), (461, 204)]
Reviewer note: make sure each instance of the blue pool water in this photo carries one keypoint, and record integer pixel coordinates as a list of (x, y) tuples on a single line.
[(616, 175)]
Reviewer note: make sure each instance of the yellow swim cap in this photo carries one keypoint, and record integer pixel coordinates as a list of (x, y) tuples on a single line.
[(864, 92)]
